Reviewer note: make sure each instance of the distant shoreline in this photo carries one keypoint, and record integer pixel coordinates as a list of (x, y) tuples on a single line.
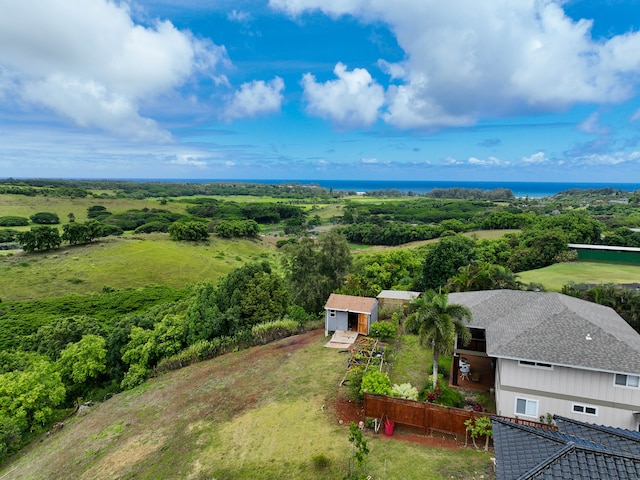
[(519, 189), (419, 187)]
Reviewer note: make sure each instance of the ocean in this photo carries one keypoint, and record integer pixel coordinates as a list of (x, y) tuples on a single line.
[(519, 189)]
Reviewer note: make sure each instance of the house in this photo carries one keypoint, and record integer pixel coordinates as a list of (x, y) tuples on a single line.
[(553, 354), (393, 299), (349, 313), (576, 450)]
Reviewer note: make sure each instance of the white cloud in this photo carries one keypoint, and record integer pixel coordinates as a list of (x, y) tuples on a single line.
[(89, 62), (467, 60), (369, 160), (535, 159), (188, 160), (353, 99), (256, 98), (592, 125), (239, 16)]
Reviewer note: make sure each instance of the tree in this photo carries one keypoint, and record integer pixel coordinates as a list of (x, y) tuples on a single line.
[(314, 269), (483, 276), (438, 323), (76, 233), (85, 359), (45, 218), (30, 395), (443, 260), (190, 231), (39, 238)]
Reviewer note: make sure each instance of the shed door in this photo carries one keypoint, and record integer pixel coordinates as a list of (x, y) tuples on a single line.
[(363, 323)]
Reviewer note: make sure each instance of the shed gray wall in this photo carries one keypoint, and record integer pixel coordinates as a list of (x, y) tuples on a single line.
[(339, 322)]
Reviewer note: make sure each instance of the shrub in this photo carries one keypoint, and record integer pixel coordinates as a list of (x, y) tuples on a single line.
[(442, 395), (376, 382), (404, 390), (263, 333), (152, 227), (10, 221), (354, 381), (382, 330), (321, 461)]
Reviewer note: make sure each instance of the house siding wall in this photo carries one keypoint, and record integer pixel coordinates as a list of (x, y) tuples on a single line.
[(557, 390)]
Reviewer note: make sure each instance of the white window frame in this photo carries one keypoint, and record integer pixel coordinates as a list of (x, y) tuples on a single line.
[(626, 380), (529, 364), (526, 407), (332, 313), (582, 409)]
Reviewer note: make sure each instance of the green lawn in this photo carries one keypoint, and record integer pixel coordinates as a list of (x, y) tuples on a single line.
[(556, 276)]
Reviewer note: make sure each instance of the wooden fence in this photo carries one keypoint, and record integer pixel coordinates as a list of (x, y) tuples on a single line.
[(427, 416)]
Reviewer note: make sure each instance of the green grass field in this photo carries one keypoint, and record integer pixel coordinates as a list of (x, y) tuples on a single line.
[(262, 413), (24, 206), (130, 261), (556, 276)]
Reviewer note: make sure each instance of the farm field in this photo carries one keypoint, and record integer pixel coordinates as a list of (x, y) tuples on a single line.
[(556, 276), (121, 262), (262, 413)]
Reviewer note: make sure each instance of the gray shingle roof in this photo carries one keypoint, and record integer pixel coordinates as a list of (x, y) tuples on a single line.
[(553, 328), (526, 453)]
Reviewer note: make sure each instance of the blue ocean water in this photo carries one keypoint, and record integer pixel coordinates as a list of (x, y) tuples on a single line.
[(519, 189)]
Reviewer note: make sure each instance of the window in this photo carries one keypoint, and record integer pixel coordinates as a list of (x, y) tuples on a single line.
[(627, 380), (526, 363), (527, 407), (586, 409), (332, 313)]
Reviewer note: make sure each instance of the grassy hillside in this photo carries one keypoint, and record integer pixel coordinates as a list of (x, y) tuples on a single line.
[(25, 206), (130, 261), (263, 413), (556, 276)]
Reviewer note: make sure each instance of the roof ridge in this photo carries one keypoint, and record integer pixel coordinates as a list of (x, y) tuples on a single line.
[(541, 432), (601, 428)]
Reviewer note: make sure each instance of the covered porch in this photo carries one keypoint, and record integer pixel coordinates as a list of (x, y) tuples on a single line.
[(472, 368)]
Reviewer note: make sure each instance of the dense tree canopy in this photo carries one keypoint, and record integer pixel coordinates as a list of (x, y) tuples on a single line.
[(315, 268)]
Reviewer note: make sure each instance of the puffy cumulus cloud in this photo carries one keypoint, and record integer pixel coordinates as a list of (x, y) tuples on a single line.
[(353, 99), (255, 98), (467, 60), (90, 62)]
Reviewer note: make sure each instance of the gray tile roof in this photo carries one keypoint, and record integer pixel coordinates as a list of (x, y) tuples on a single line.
[(528, 453), (609, 437), (553, 328)]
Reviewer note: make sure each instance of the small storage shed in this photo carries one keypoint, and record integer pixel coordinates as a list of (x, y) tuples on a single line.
[(349, 313), (393, 299)]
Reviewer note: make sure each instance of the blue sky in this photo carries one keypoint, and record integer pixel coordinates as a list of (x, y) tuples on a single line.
[(533, 90)]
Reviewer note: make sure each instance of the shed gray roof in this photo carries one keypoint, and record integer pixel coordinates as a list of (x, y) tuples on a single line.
[(553, 328), (399, 294)]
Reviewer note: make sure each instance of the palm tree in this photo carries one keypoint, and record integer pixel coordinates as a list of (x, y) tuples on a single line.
[(483, 276), (438, 322)]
